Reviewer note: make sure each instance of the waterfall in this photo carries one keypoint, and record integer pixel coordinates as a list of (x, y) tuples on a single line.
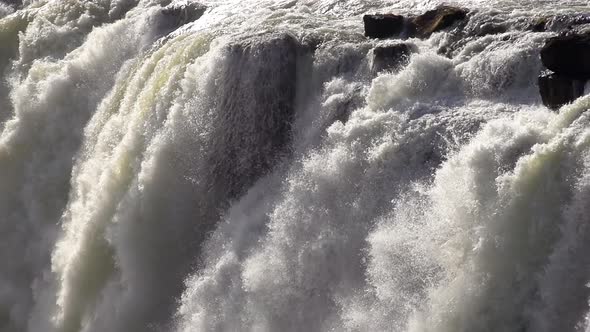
[(225, 165)]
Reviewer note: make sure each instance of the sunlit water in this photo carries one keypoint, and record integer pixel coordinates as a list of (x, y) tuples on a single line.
[(248, 171)]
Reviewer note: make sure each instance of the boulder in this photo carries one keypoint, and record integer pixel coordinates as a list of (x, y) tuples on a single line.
[(392, 57), (557, 90), (438, 19), (383, 25), (568, 55)]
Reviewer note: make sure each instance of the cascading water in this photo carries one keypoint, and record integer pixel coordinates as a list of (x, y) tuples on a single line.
[(241, 166)]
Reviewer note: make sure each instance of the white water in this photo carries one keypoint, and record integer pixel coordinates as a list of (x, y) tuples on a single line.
[(248, 172)]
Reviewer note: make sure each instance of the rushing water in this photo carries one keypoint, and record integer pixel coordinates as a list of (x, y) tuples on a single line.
[(240, 167)]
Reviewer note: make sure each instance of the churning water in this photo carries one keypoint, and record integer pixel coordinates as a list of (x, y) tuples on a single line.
[(238, 166)]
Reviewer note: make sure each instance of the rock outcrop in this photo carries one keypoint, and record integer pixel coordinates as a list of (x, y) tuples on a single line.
[(438, 19), (174, 16), (184, 13), (383, 25), (392, 57), (538, 24), (568, 55), (269, 67), (557, 90), (12, 2), (421, 26)]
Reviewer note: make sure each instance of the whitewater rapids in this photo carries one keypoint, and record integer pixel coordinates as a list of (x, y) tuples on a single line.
[(240, 167)]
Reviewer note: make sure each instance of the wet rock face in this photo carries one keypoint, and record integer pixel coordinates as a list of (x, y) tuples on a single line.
[(538, 24), (184, 13), (254, 129), (557, 90), (490, 29), (383, 25), (174, 16), (435, 20), (565, 22), (422, 26), (12, 2), (392, 57), (568, 55)]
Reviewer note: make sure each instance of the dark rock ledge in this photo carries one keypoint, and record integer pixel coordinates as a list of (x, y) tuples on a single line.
[(396, 56), (421, 26), (565, 56), (392, 57)]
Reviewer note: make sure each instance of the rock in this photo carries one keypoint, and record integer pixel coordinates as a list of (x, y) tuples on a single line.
[(255, 98), (435, 20), (422, 26), (578, 19), (176, 15), (490, 29), (383, 25), (392, 57), (12, 2), (539, 24), (557, 23), (568, 55), (184, 13), (581, 29), (557, 90), (561, 22)]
